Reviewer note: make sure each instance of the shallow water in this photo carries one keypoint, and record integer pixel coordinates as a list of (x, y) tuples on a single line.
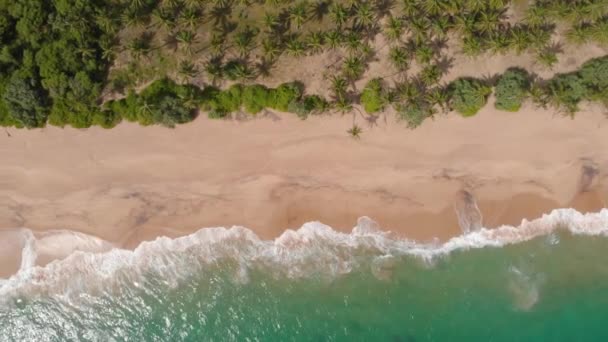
[(315, 284)]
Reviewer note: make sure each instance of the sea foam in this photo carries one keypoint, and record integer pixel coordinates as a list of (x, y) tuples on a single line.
[(315, 248)]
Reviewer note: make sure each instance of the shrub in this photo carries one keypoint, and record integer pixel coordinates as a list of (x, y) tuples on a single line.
[(373, 98), (308, 105), (468, 95), (228, 100), (170, 111), (283, 95), (566, 91), (594, 74), (24, 102), (106, 118), (414, 113), (255, 98), (512, 89)]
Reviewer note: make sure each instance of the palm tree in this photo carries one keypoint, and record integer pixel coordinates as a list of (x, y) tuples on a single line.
[(243, 40), (298, 14), (338, 87), (191, 17), (270, 49), (424, 53), (339, 14), (364, 16), (333, 39), (476, 5), (353, 67), (164, 18), (217, 43), (314, 42), (295, 47), (187, 70), (186, 39), (139, 47), (430, 74), (214, 69), (399, 58), (432, 7), (108, 49), (537, 15), (487, 22), (519, 39), (271, 21), (472, 46), (107, 23), (355, 131), (353, 42), (499, 42), (343, 106), (547, 58), (133, 17), (579, 34), (394, 29), (440, 26), (410, 8), (439, 96)]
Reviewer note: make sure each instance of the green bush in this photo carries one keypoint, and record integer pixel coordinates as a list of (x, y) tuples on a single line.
[(255, 98), (171, 111), (594, 76), (24, 102), (414, 113), (512, 89), (283, 95), (566, 91), (468, 95), (310, 104), (373, 97)]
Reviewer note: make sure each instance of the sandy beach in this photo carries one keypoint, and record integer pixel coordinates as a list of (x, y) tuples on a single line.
[(276, 172)]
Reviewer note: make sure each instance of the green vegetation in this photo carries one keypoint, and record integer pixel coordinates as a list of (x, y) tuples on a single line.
[(373, 97), (98, 62), (512, 89), (469, 95)]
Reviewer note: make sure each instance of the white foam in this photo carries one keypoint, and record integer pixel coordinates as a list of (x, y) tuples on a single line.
[(313, 249)]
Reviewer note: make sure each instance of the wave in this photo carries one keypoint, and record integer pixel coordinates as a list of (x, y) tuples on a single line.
[(314, 249)]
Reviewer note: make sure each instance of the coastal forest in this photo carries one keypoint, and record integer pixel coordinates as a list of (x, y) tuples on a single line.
[(98, 62)]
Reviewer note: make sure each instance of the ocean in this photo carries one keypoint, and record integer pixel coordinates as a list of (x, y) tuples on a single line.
[(546, 280)]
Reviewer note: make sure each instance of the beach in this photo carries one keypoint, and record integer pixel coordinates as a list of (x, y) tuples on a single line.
[(275, 172)]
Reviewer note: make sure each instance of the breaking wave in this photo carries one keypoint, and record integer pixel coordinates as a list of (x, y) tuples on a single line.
[(88, 264)]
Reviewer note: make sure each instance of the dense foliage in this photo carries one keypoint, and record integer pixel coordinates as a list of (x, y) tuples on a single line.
[(51, 61), (373, 97), (469, 95), (61, 59), (512, 89)]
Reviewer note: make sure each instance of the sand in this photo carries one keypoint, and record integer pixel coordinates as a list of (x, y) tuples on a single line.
[(276, 172)]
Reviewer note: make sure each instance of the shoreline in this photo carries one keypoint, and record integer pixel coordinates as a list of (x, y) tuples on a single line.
[(132, 184)]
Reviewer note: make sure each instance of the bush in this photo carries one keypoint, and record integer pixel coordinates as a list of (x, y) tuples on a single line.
[(373, 98), (468, 95), (106, 119), (24, 102), (283, 95), (229, 100), (255, 98), (512, 89), (308, 105), (594, 75), (566, 91), (171, 111), (414, 113)]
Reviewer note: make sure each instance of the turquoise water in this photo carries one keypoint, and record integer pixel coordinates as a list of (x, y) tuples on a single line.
[(331, 287)]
